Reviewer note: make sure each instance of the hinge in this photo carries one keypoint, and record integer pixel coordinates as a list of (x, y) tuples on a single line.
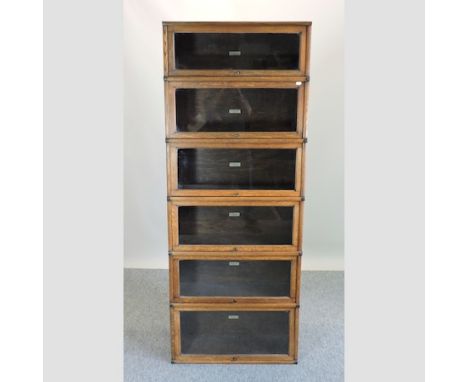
[(167, 140), (307, 79), (304, 140), (169, 253), (300, 253), (302, 198), (165, 78), (168, 198)]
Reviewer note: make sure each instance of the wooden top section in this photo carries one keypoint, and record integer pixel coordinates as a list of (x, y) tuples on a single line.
[(217, 23)]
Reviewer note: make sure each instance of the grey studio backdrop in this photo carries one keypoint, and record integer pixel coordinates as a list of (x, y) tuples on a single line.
[(144, 132)]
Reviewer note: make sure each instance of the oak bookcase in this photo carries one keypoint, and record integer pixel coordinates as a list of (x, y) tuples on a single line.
[(235, 104)]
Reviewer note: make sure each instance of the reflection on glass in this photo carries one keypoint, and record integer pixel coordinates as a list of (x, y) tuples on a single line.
[(235, 225), (236, 110), (254, 51), (234, 278), (243, 169), (234, 332)]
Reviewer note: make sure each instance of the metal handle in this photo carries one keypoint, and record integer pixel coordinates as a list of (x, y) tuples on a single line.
[(233, 317), (235, 164), (235, 111), (234, 52), (233, 263), (234, 214)]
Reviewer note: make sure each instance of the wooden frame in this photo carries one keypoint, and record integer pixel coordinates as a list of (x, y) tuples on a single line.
[(214, 83), (178, 357), (226, 78), (170, 28), (173, 223), (174, 276), (174, 145)]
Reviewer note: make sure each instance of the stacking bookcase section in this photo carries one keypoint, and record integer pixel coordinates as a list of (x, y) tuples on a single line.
[(234, 224), (235, 120), (234, 277), (234, 109), (217, 167), (234, 333), (235, 49)]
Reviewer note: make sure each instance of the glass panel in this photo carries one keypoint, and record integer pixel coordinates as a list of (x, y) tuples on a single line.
[(255, 51), (234, 332), (234, 278), (236, 110), (234, 225), (244, 169)]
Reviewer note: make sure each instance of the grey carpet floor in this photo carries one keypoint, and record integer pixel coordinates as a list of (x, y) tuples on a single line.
[(147, 344)]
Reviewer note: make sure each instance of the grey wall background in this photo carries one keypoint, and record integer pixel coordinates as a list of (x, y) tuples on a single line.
[(144, 145)]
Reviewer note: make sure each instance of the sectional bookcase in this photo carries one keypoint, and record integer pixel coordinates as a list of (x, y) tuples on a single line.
[(235, 104)]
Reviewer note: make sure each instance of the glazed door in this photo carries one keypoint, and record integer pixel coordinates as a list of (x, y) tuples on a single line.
[(233, 277), (235, 169), (236, 49), (233, 334), (233, 109), (210, 225)]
